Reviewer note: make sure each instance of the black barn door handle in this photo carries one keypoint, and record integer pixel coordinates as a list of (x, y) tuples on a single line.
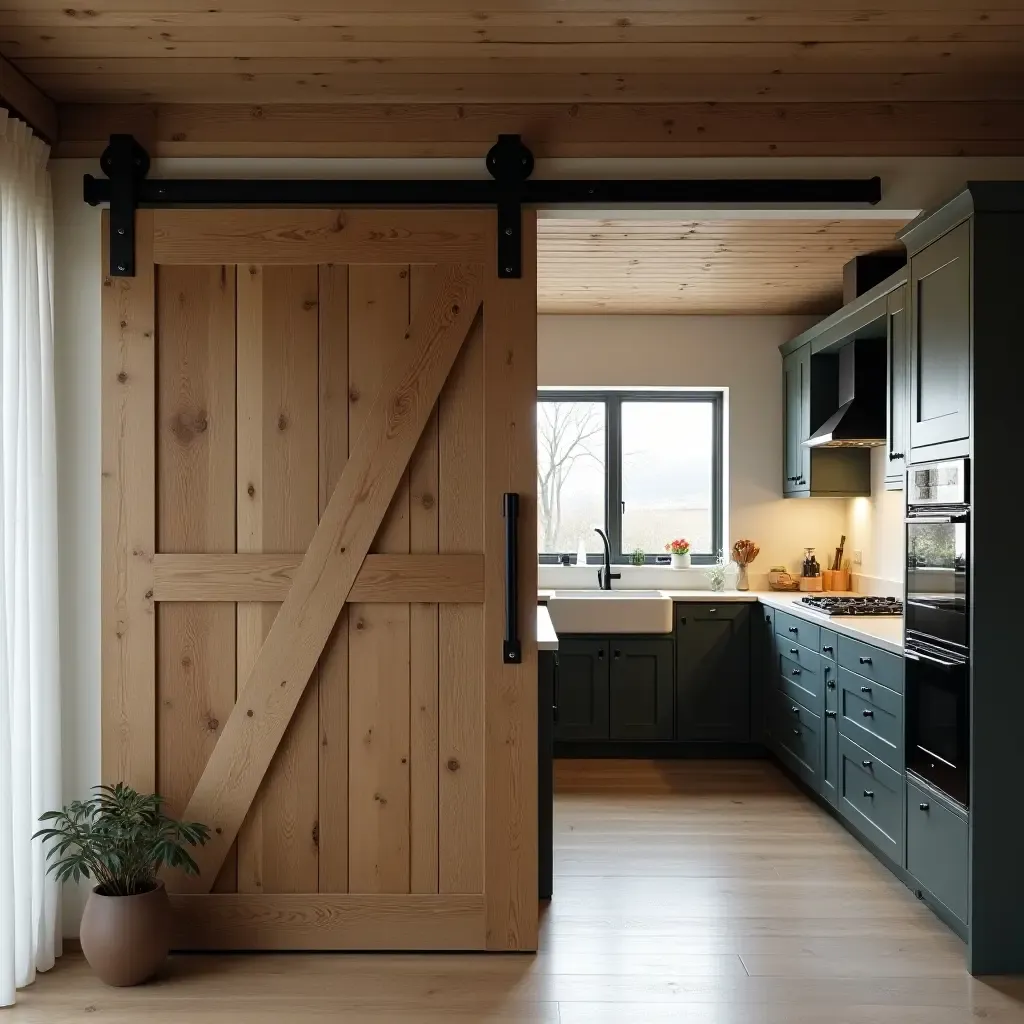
[(511, 650)]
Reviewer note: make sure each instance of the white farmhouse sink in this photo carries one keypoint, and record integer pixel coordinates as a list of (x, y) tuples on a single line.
[(610, 611)]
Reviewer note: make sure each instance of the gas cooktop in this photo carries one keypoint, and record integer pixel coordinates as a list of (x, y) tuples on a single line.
[(855, 605)]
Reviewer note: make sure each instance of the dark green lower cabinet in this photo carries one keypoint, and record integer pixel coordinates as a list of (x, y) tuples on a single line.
[(937, 848), (830, 736), (713, 672), (582, 690), (641, 689)]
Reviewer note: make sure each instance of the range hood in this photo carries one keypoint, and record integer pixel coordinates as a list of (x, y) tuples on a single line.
[(859, 422)]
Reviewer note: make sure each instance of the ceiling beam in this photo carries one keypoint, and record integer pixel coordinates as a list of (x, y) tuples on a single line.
[(32, 105)]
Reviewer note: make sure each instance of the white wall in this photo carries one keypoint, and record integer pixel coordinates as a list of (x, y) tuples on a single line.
[(875, 527), (740, 353)]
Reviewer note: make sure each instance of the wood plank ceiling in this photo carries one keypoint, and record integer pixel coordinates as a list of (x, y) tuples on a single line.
[(423, 51), (700, 266)]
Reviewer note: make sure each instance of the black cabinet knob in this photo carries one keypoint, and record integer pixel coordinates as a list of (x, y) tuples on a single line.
[(831, 684), (865, 689), (869, 793), (600, 654), (866, 764), (923, 807), (617, 654), (868, 714), (796, 671), (795, 709), (864, 661), (830, 714), (893, 456), (794, 650), (831, 650), (711, 611), (768, 619), (796, 732), (793, 629)]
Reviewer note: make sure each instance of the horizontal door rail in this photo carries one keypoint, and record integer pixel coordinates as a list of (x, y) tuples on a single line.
[(384, 579)]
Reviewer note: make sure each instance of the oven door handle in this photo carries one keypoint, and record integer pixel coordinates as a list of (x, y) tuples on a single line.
[(934, 520), (917, 656)]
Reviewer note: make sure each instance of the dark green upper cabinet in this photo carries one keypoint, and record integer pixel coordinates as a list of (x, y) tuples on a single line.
[(713, 672), (582, 691), (796, 371), (641, 688), (810, 396), (940, 344), (898, 393)]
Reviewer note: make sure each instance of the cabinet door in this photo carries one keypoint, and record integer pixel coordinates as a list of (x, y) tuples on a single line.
[(830, 736), (641, 689), (940, 350), (713, 672), (898, 408), (767, 669), (796, 369), (582, 689)]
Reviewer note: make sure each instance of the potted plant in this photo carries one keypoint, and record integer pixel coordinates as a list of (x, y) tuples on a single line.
[(120, 839), (680, 551)]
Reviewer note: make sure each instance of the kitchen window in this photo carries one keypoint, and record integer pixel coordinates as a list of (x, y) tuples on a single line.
[(645, 466)]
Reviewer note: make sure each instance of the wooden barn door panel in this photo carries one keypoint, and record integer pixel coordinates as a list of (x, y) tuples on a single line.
[(278, 511), (292, 413), (195, 513)]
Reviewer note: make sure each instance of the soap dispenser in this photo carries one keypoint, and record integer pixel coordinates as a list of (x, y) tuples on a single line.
[(581, 552)]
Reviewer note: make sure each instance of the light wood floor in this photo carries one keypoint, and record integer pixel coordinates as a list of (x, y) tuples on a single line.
[(704, 892)]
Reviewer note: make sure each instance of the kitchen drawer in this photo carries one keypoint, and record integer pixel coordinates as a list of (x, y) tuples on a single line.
[(789, 627), (871, 662), (871, 798), (937, 849), (800, 655), (871, 715), (797, 739), (828, 644), (802, 684)]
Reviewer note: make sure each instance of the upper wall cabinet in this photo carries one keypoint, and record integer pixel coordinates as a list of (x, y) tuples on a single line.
[(796, 372), (940, 345), (898, 387)]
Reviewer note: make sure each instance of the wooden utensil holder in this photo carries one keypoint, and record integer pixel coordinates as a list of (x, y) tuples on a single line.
[(811, 584), (837, 580)]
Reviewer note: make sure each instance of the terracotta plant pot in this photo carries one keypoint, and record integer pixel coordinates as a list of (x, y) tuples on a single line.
[(126, 938)]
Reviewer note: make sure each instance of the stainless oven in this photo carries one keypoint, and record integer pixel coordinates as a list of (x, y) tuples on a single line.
[(937, 614), (936, 598)]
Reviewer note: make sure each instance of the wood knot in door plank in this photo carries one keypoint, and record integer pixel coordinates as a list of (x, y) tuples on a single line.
[(453, 765)]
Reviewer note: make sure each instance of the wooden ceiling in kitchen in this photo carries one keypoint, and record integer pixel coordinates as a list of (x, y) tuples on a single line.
[(700, 266), (425, 51)]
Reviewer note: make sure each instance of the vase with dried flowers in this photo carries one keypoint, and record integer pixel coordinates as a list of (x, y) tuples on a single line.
[(680, 551), (743, 553)]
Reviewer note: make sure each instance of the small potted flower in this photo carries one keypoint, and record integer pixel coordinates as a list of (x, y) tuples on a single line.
[(680, 551)]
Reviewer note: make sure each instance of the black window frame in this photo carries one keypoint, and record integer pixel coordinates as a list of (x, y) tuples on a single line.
[(613, 399)]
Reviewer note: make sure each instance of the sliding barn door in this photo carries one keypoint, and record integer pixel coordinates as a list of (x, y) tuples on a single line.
[(310, 420)]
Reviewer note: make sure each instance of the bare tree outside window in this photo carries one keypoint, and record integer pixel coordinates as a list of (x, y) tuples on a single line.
[(570, 474)]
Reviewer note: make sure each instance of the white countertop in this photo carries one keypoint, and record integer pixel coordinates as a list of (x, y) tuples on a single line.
[(547, 638), (883, 631)]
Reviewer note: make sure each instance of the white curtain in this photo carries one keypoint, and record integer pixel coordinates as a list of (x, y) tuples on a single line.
[(30, 772)]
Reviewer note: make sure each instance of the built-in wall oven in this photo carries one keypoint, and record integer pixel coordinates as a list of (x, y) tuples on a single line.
[(936, 606)]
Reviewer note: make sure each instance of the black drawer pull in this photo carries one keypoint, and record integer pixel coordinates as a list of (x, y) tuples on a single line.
[(617, 654), (831, 650), (865, 689), (793, 629), (795, 709), (869, 793), (868, 714), (768, 619), (797, 671), (831, 684), (830, 714), (866, 764), (712, 611), (923, 807), (864, 661), (794, 650), (600, 654)]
